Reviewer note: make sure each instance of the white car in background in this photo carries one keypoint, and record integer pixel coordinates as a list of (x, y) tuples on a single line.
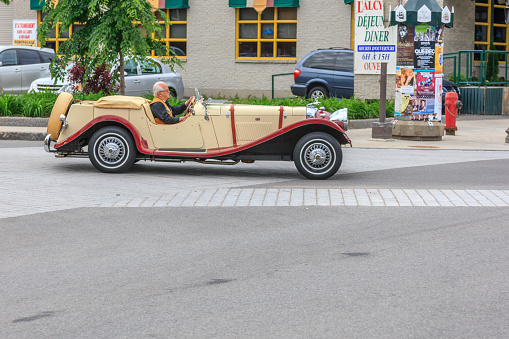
[(139, 79), (20, 65)]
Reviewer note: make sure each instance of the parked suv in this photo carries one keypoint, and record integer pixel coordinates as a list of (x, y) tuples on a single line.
[(20, 65), (324, 73)]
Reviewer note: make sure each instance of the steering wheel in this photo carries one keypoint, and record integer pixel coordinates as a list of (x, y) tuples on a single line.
[(191, 107)]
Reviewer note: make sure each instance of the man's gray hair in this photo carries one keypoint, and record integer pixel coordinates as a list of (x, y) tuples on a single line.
[(158, 87)]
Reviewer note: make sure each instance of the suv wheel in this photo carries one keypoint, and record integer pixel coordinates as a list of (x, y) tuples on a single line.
[(318, 92)]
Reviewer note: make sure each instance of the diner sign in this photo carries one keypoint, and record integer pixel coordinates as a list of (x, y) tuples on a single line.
[(374, 43)]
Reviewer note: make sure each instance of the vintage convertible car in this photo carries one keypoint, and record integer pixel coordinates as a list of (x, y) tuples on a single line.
[(117, 131)]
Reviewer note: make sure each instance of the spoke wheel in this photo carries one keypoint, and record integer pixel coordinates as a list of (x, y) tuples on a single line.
[(112, 150), (317, 155)]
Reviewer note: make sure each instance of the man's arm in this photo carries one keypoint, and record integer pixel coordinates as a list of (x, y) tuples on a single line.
[(159, 111), (177, 109)]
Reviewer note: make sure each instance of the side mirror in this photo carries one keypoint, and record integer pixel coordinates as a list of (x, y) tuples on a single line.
[(0, 64), (125, 73)]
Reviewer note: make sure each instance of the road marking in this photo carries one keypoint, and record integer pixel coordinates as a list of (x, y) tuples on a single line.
[(272, 197), (286, 197)]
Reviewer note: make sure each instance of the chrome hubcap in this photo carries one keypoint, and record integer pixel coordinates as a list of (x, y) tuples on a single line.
[(111, 150), (317, 155), (317, 95)]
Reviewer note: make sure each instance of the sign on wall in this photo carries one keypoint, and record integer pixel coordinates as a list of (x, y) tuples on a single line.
[(374, 43), (24, 32)]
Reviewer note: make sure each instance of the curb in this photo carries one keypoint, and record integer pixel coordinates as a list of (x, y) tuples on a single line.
[(364, 123), (24, 121), (29, 136)]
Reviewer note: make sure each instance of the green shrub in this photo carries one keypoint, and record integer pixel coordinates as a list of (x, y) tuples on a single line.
[(459, 77), (8, 104), (40, 104), (492, 64)]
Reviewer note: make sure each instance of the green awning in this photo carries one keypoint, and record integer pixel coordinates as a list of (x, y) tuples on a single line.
[(36, 6), (277, 3), (348, 2), (412, 7), (171, 4)]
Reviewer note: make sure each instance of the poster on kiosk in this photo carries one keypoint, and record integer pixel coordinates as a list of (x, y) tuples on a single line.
[(419, 68)]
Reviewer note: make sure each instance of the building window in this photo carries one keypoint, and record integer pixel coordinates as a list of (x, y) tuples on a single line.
[(490, 25), (174, 37), (56, 35), (269, 35)]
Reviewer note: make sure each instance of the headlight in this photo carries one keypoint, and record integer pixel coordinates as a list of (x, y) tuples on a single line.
[(64, 88), (33, 87), (311, 110), (340, 115)]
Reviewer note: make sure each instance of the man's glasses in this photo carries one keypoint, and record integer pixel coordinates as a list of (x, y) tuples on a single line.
[(166, 90)]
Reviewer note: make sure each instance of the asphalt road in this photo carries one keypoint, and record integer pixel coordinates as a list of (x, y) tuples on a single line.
[(85, 270)]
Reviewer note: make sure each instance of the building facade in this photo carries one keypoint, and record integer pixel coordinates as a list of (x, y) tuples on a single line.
[(227, 48)]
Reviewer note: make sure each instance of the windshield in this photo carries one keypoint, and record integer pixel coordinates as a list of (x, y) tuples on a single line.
[(197, 94)]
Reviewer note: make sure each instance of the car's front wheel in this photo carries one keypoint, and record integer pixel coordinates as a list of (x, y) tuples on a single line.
[(318, 92), (112, 150), (317, 155)]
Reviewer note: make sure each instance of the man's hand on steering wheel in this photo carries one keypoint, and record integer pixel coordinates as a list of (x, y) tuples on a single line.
[(190, 101), (189, 109)]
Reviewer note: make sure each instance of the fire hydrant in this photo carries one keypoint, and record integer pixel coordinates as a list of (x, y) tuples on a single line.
[(452, 107)]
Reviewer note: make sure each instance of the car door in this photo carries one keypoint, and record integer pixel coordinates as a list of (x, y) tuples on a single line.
[(132, 78), (31, 67), (10, 71), (343, 75)]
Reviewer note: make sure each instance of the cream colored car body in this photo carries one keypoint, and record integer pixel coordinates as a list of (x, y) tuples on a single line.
[(252, 122), (216, 131)]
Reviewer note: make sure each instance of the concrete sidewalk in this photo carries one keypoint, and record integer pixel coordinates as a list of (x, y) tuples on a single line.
[(475, 132)]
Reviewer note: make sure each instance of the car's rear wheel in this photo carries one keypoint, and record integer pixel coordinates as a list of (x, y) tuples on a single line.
[(318, 92), (317, 155), (112, 150)]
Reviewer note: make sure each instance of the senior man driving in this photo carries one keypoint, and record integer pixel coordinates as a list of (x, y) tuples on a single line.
[(163, 112)]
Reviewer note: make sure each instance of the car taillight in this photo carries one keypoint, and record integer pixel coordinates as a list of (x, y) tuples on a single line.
[(296, 73)]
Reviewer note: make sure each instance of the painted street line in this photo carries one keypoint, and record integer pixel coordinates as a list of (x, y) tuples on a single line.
[(288, 197)]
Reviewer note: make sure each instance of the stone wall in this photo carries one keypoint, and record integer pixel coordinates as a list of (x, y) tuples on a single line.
[(17, 10), (211, 63), (368, 86)]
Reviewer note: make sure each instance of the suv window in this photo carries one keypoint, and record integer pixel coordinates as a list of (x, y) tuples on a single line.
[(28, 57), (345, 62), (322, 60), (47, 57), (8, 58)]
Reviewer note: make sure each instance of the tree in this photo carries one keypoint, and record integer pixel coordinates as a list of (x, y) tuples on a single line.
[(5, 1), (112, 31), (492, 64)]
